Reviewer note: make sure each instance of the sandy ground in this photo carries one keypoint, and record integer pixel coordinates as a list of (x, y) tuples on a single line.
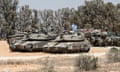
[(62, 59), (4, 51)]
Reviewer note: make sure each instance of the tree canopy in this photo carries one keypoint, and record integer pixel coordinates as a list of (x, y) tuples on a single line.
[(94, 14)]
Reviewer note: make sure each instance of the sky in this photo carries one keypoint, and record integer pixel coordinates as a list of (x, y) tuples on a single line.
[(56, 4)]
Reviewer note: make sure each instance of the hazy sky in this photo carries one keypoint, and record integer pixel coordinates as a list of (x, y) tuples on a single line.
[(56, 4)]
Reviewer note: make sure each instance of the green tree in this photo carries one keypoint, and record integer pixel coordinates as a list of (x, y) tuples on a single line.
[(25, 19), (8, 11)]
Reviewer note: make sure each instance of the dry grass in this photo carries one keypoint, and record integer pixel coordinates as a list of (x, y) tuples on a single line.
[(113, 55), (86, 62), (49, 64), (63, 63)]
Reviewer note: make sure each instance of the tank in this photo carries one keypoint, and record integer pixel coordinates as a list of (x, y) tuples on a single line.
[(12, 39), (98, 38), (68, 42), (113, 40), (29, 42), (104, 39)]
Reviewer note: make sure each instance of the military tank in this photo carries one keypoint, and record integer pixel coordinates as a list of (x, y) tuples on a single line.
[(12, 39), (29, 42), (98, 38), (112, 40), (68, 42), (104, 39)]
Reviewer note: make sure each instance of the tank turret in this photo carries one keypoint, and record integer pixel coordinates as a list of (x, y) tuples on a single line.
[(68, 42), (29, 42)]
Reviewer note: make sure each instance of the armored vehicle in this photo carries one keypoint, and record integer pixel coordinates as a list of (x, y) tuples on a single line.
[(98, 38), (28, 42), (113, 40), (65, 42), (12, 39), (104, 39), (68, 42)]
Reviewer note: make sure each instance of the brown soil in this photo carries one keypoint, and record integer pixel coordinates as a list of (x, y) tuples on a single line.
[(5, 52)]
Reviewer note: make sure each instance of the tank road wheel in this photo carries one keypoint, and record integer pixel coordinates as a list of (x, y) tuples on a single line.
[(87, 50), (12, 46), (30, 47), (65, 51)]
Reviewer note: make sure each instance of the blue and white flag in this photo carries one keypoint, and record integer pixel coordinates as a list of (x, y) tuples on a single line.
[(74, 27)]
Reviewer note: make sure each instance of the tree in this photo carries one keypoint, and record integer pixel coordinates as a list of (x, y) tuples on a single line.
[(25, 19), (9, 15)]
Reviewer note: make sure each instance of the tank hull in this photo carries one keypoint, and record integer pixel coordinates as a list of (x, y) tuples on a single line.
[(66, 47)]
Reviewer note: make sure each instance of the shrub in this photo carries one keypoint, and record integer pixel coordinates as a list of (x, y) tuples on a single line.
[(85, 62), (48, 65), (113, 55)]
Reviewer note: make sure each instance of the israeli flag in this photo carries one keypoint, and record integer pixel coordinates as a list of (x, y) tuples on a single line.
[(74, 27)]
